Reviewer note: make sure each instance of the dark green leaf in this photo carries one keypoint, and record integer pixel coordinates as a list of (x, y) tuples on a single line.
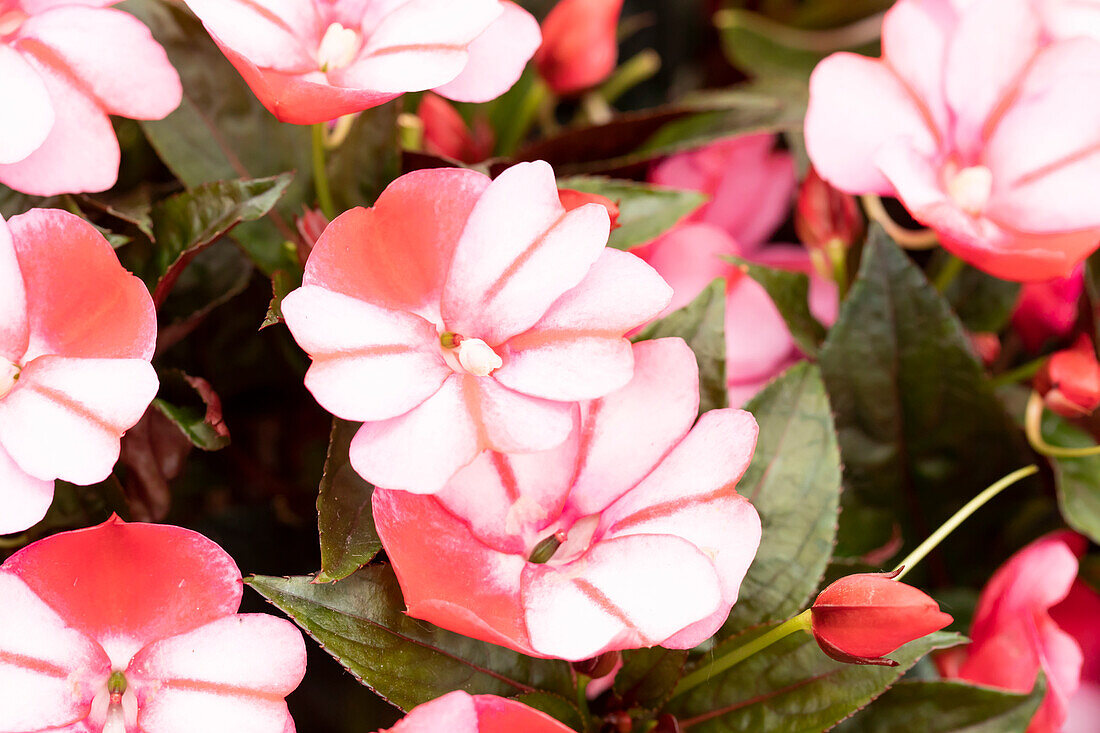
[(983, 303), (361, 621), (555, 706), (649, 676), (702, 323), (282, 283), (202, 423), (794, 482), (216, 275), (367, 160), (645, 212), (1077, 479), (790, 291), (344, 516)]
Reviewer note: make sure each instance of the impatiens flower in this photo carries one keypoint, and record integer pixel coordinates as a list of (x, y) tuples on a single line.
[(460, 315), (460, 712), (982, 134), (1070, 380), (447, 134), (64, 67), (1035, 614), (630, 534), (861, 618), (580, 44), (1048, 310), (76, 335), (134, 627), (311, 61)]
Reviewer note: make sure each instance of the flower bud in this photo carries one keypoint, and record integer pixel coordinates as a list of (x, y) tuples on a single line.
[(825, 218), (571, 199), (446, 133), (579, 44), (311, 225), (1070, 381), (986, 345), (861, 618)]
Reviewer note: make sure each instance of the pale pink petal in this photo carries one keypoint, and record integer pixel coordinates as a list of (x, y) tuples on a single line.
[(624, 593), (915, 38), (80, 155), (823, 300), (1076, 615), (39, 6), (577, 350), (112, 53), (65, 416), (48, 670), (275, 34), (27, 114), (13, 301), (857, 105), (758, 342), (369, 363), (1084, 709), (519, 253), (754, 196), (397, 253), (497, 57), (173, 580), (453, 712), (501, 715), (24, 499), (689, 257), (512, 422), (1070, 18)]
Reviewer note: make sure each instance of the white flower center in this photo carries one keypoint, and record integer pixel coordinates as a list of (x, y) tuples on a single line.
[(477, 357), (339, 47), (115, 706), (10, 21), (9, 373), (970, 188)]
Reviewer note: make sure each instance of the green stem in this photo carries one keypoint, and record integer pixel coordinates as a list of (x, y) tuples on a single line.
[(534, 99), (1019, 374), (320, 173), (735, 656), (582, 699), (638, 69), (1033, 427), (960, 516), (949, 273)]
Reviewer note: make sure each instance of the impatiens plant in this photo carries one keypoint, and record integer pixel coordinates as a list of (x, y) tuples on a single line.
[(463, 713)]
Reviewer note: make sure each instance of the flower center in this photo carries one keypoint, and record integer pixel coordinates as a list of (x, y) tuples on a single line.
[(566, 545), (474, 355), (115, 707), (971, 188), (339, 47), (9, 375), (10, 21)]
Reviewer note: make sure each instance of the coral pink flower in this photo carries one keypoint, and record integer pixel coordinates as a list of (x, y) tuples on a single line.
[(1048, 310), (751, 188), (76, 335), (64, 67), (310, 61), (1033, 614), (460, 712), (127, 627), (461, 314), (1070, 381), (447, 134), (580, 44), (982, 135), (630, 534)]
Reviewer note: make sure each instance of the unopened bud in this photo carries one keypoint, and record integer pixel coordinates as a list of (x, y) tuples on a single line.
[(825, 218), (580, 45), (600, 666), (571, 200), (1070, 381)]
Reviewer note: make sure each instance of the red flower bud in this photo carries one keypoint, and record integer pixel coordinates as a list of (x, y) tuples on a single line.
[(446, 133), (575, 199), (861, 618), (1070, 381), (311, 225), (579, 44), (826, 218), (986, 345)]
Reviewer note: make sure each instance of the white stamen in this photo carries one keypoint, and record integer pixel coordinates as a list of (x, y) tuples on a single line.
[(478, 358), (339, 47), (971, 188), (9, 373)]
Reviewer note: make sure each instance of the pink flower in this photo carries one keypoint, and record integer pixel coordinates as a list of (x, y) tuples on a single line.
[(1048, 310), (630, 534), (1064, 19), (310, 61), (447, 134), (461, 314), (982, 135), (751, 187), (64, 67), (127, 625), (76, 335), (580, 44), (1034, 613), (460, 712)]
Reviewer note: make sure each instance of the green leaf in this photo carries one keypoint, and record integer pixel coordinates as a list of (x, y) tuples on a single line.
[(702, 323), (203, 425), (555, 706), (1077, 479), (948, 707), (920, 428), (792, 687), (344, 516), (649, 676), (790, 291), (367, 160), (361, 622), (982, 302), (794, 482), (645, 211)]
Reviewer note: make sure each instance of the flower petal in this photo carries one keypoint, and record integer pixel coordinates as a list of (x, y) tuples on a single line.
[(27, 115), (497, 57), (501, 715), (24, 499), (13, 301), (689, 257), (915, 37), (454, 711), (270, 33), (758, 342)]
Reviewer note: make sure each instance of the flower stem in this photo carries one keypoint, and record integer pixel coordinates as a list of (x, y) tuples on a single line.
[(735, 656), (582, 699), (948, 273), (1033, 426), (320, 173), (638, 69), (906, 238), (1020, 373), (959, 517)]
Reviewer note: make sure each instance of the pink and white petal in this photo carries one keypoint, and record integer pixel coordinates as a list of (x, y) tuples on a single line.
[(174, 580), (24, 499), (915, 37), (689, 257), (857, 105), (65, 416), (27, 115), (454, 711), (369, 363), (511, 422), (497, 57), (81, 153), (519, 253), (501, 715), (758, 342), (82, 302), (33, 7), (112, 53), (577, 350), (274, 34), (397, 254), (626, 434), (181, 710), (751, 202), (13, 301), (824, 303), (624, 593), (983, 68), (48, 670), (1070, 18)]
